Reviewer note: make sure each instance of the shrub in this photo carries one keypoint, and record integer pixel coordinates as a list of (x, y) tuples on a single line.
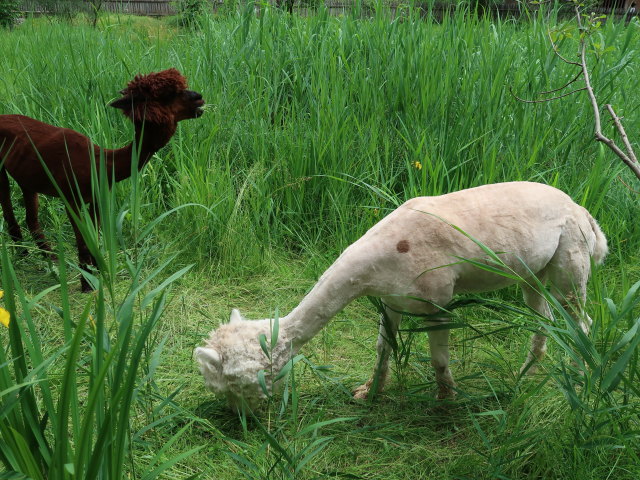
[(188, 11), (8, 12)]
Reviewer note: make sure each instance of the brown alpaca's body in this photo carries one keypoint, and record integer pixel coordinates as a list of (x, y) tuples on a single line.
[(26, 144), (55, 161), (64, 152)]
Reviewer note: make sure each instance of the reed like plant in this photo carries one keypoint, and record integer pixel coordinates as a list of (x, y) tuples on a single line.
[(70, 402)]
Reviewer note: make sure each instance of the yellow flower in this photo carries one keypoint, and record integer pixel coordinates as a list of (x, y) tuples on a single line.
[(4, 317), (417, 165)]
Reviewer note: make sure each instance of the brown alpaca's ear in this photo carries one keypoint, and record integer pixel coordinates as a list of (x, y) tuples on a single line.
[(123, 103)]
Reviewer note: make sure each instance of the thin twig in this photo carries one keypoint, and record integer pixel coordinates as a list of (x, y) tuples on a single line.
[(543, 100), (578, 75), (557, 52), (628, 186)]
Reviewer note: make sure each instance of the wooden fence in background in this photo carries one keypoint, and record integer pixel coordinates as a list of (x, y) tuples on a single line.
[(153, 8), (159, 8)]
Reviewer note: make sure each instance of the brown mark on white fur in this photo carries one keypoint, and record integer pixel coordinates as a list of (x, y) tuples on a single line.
[(403, 246)]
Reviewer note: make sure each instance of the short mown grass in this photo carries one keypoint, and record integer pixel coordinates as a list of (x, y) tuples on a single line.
[(316, 127)]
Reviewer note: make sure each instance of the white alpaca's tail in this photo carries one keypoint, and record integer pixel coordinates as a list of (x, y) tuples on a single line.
[(600, 249)]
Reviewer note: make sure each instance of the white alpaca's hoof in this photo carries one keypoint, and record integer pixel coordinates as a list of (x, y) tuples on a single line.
[(528, 369), (446, 393), (362, 392)]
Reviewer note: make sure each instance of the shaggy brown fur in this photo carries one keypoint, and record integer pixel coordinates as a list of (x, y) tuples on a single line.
[(155, 103), (147, 94)]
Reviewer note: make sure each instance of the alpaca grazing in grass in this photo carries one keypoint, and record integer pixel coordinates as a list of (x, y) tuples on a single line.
[(416, 259), (155, 103)]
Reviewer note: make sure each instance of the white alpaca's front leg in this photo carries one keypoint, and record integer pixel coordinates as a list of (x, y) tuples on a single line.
[(386, 333), (439, 349)]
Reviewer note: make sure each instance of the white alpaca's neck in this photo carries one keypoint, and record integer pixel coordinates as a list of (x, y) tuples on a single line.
[(336, 288)]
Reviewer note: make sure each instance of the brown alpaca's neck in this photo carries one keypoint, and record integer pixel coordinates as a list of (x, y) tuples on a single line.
[(148, 139)]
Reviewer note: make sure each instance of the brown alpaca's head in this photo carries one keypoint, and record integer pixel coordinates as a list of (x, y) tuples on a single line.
[(160, 98)]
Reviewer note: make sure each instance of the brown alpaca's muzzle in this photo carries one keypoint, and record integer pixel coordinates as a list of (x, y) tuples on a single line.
[(198, 102)]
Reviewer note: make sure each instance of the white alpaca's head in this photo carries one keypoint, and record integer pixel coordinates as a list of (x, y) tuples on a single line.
[(232, 357)]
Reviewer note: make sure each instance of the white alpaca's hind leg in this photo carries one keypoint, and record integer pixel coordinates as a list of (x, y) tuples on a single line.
[(567, 274), (538, 340), (386, 334)]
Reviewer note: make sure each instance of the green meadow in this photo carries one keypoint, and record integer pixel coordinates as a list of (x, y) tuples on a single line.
[(315, 128)]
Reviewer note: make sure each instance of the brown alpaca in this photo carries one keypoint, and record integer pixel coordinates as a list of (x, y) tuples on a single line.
[(155, 103)]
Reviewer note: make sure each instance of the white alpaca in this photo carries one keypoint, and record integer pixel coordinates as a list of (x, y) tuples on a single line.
[(416, 253)]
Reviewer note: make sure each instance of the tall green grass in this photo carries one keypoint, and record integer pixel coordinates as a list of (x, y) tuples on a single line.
[(311, 118), (316, 127)]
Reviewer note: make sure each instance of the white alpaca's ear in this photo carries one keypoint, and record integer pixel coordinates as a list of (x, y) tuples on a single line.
[(208, 355), (235, 316)]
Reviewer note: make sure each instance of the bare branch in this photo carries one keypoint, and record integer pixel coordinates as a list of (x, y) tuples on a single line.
[(629, 157), (587, 78), (629, 160), (622, 132), (634, 166)]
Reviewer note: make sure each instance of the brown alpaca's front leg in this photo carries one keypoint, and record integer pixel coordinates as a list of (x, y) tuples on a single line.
[(84, 254), (31, 206), (7, 210)]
